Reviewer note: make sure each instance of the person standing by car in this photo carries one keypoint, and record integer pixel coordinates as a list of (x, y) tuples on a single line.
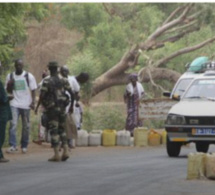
[(133, 94), (5, 115), (54, 99), (22, 86)]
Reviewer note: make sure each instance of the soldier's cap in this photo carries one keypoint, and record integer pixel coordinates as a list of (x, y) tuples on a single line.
[(53, 64)]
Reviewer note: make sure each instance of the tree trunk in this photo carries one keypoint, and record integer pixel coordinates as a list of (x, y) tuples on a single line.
[(104, 82)]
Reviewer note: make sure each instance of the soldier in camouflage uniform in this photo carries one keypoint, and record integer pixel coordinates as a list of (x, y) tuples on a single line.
[(55, 100)]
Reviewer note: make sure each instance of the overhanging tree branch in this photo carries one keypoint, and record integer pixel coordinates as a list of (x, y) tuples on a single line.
[(183, 51), (181, 27), (180, 35), (171, 24), (152, 81), (173, 14)]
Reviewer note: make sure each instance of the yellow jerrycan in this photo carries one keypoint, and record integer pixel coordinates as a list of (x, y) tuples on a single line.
[(109, 137), (163, 134), (141, 136), (154, 138), (196, 165)]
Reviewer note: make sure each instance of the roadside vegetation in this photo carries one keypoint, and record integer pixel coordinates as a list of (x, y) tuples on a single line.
[(108, 40)]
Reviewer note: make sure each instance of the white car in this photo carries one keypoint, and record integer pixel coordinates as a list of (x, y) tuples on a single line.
[(192, 119), (195, 68), (181, 85)]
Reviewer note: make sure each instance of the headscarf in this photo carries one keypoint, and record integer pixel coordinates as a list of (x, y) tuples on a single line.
[(133, 76)]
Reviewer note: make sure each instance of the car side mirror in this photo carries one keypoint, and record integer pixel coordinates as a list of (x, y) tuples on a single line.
[(166, 93)]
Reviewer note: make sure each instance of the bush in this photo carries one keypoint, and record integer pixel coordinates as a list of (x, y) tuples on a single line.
[(104, 116), (111, 116)]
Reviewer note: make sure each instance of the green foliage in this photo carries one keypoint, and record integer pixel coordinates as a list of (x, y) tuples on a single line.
[(104, 116), (108, 43), (82, 16), (85, 63), (149, 18), (154, 124), (89, 119), (107, 116), (108, 37), (36, 11), (13, 29), (108, 29)]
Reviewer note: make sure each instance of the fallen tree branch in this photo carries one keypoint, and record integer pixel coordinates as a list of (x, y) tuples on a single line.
[(171, 24), (183, 51), (152, 81), (173, 14), (181, 27)]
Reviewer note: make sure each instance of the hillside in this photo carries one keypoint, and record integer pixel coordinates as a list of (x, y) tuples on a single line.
[(45, 42)]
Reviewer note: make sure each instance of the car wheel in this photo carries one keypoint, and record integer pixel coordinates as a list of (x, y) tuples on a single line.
[(202, 147), (173, 148)]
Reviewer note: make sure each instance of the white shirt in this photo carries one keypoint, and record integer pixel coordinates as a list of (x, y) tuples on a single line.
[(22, 93), (74, 83), (75, 88), (130, 88)]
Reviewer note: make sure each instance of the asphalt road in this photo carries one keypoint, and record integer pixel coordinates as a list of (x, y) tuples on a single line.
[(103, 171)]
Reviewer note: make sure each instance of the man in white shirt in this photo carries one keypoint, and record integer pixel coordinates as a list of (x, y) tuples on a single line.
[(22, 86), (76, 81), (75, 118)]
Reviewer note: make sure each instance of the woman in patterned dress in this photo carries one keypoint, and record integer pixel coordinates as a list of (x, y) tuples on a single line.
[(133, 94)]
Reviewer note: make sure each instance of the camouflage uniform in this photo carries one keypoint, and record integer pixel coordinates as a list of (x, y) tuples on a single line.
[(55, 101)]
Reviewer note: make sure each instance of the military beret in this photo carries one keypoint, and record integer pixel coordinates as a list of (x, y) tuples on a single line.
[(53, 64)]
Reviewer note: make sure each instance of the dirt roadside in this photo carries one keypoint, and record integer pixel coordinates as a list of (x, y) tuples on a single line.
[(33, 150), (45, 151)]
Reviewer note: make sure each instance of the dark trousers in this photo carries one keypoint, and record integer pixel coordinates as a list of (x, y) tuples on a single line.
[(2, 135)]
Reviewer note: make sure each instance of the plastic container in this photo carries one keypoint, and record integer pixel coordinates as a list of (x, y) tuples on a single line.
[(123, 138), (95, 138), (197, 64), (163, 134), (210, 166), (154, 138), (82, 139), (131, 141), (109, 137), (141, 136), (196, 165)]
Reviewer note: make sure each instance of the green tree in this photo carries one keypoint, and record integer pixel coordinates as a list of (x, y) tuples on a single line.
[(142, 37), (85, 63), (82, 17), (108, 42), (13, 30)]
